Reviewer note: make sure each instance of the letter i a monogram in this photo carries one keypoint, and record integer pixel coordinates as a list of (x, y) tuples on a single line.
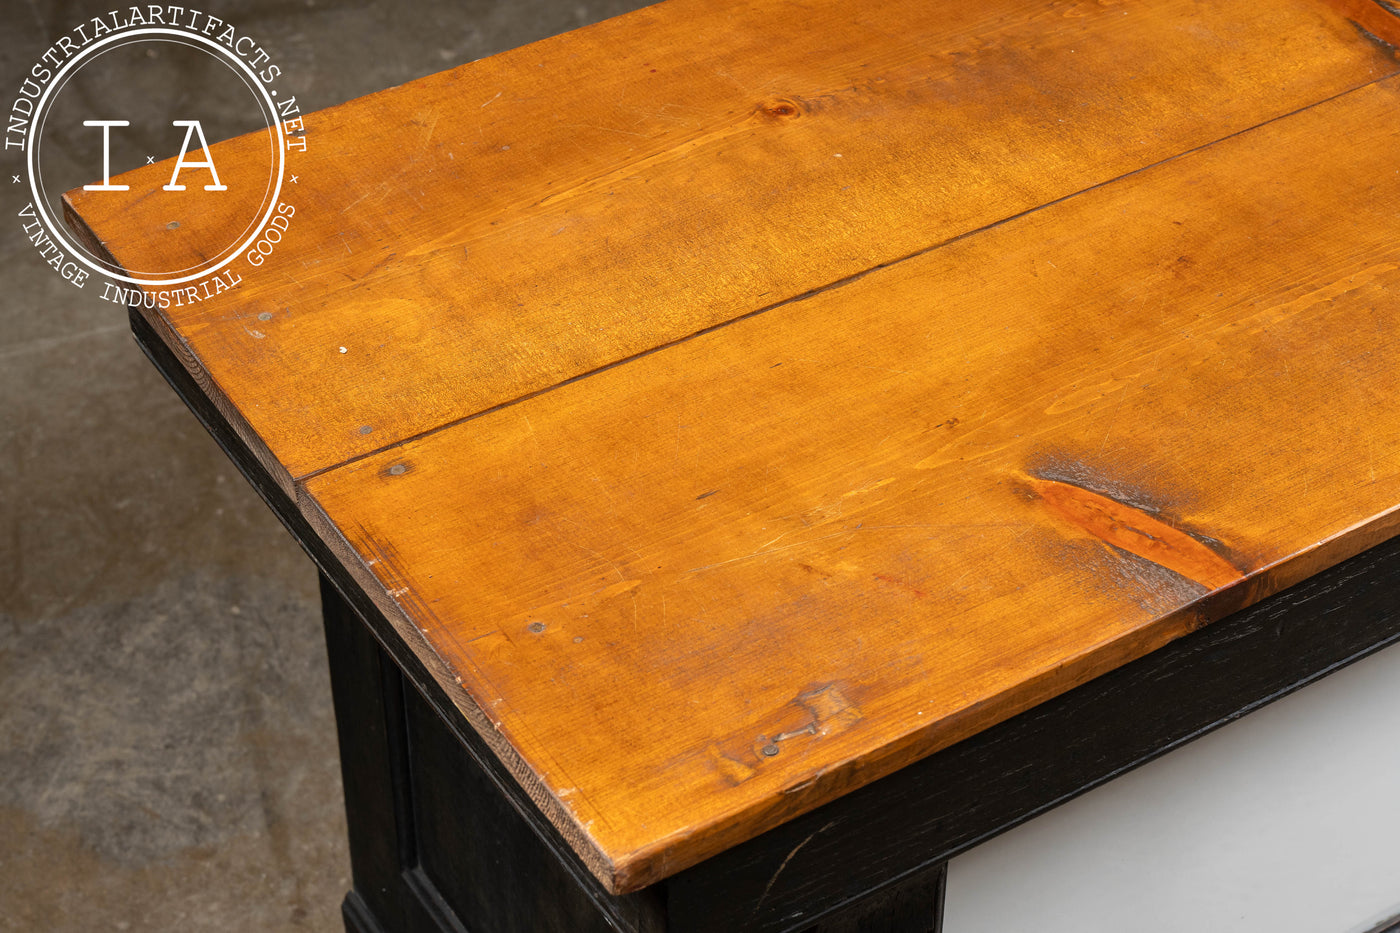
[(191, 128)]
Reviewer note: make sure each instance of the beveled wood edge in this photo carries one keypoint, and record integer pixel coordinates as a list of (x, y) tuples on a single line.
[(185, 354), (357, 917), (568, 825)]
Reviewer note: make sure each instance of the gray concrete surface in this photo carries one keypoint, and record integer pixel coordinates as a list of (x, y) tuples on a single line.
[(167, 748)]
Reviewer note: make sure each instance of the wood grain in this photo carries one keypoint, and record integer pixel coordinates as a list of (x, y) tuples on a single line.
[(495, 229), (963, 353), (939, 806), (946, 804), (727, 581)]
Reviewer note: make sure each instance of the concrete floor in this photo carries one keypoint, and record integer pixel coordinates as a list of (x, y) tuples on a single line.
[(167, 748)]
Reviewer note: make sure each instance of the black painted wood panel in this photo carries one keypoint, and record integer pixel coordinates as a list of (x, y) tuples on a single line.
[(497, 875)]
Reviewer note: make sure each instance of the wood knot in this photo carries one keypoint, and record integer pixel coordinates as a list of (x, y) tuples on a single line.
[(1130, 528), (779, 108)]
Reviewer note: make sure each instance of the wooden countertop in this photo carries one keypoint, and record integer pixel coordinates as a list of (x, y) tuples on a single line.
[(734, 402)]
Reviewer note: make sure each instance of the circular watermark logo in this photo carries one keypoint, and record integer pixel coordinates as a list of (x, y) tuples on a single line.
[(121, 111)]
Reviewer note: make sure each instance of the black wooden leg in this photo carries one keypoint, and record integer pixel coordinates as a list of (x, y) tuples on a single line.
[(363, 686)]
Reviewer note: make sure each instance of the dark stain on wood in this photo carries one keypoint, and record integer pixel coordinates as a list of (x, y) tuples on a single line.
[(1374, 39), (1131, 527), (1376, 21)]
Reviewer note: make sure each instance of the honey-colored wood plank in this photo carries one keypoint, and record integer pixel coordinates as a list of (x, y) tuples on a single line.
[(725, 582), (493, 230)]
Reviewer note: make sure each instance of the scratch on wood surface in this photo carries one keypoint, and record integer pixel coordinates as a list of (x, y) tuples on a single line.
[(767, 111), (784, 864), (762, 553), (549, 526), (429, 121), (774, 541), (810, 729), (1111, 422), (605, 129)]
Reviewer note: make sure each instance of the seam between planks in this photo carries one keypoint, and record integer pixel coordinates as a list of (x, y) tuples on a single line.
[(835, 284)]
